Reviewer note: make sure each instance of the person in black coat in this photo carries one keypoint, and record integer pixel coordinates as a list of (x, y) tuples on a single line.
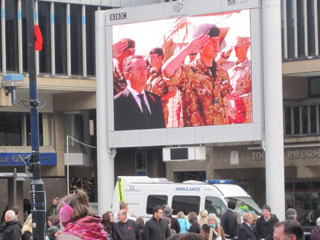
[(265, 224), (156, 228), (245, 231), (167, 212), (135, 108), (229, 220), (12, 229), (193, 220), (125, 229)]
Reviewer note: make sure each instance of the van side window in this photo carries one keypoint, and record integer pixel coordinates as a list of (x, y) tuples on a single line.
[(215, 205), (186, 204), (154, 200)]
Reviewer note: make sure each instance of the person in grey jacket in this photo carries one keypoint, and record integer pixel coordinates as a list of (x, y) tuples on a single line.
[(156, 228)]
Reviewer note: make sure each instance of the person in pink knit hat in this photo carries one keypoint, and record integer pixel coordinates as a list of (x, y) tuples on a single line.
[(78, 219)]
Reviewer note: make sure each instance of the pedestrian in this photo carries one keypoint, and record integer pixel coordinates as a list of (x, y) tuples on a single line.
[(125, 206), (27, 236), (229, 221), (27, 225), (246, 231), (12, 229), (203, 217), (168, 220), (184, 225), (288, 229), (125, 229), (53, 226), (187, 236), (265, 224), (193, 220), (140, 223), (156, 228), (78, 219), (291, 214), (108, 223), (167, 212), (52, 210), (315, 232), (211, 229)]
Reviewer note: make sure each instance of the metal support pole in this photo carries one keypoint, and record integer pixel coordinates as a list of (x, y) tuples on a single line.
[(105, 156), (68, 172), (14, 187), (38, 198), (272, 71)]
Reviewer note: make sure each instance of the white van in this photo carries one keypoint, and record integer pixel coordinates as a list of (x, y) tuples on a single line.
[(143, 193)]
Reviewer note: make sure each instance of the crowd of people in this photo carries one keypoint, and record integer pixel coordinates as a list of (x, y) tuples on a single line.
[(72, 218)]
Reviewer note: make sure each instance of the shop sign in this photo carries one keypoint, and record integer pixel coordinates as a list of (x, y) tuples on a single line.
[(311, 153), (14, 159)]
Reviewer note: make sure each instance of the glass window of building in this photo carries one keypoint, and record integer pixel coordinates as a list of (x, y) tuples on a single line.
[(44, 24), (11, 129), (45, 129), (76, 39), (11, 35), (90, 38), (24, 37), (311, 28), (73, 124), (300, 22), (60, 19), (290, 29)]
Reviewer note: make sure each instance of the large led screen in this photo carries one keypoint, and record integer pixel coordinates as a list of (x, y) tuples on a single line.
[(183, 72)]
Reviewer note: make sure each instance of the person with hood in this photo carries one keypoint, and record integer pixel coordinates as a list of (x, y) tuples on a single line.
[(315, 232), (78, 219), (12, 229), (265, 224)]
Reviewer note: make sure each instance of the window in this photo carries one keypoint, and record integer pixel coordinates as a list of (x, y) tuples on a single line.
[(302, 120), (300, 22), (311, 28), (24, 37), (314, 87), (186, 204), (45, 129), (154, 200), (215, 205), (141, 163), (76, 39), (90, 37), (290, 29), (11, 35), (60, 38), (73, 125), (44, 24), (11, 129)]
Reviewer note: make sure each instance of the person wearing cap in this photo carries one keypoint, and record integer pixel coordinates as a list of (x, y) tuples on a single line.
[(167, 212), (156, 84), (204, 84), (291, 214), (134, 107), (121, 51), (265, 224)]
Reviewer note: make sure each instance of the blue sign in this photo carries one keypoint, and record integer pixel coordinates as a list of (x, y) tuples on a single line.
[(13, 159)]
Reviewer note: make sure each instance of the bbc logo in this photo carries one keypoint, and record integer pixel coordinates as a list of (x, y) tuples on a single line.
[(118, 16)]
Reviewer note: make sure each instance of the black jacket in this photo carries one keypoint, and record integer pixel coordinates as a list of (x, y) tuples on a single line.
[(265, 229), (229, 223), (245, 232), (126, 231), (12, 231), (194, 228), (156, 230), (175, 224)]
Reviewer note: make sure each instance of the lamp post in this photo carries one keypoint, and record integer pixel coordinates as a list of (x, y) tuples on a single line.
[(38, 197)]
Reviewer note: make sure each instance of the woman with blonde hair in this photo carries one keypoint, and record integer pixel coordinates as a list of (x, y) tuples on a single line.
[(78, 219), (203, 217), (212, 229), (184, 225)]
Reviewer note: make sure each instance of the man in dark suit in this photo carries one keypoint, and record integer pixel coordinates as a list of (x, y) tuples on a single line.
[(229, 221), (245, 231), (135, 108)]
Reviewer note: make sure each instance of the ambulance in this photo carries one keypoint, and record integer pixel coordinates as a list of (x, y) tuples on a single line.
[(143, 193)]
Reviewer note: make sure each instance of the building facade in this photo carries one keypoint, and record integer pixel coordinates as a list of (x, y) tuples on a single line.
[(66, 85)]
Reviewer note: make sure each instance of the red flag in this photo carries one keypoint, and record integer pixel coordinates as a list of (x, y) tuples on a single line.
[(39, 40)]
